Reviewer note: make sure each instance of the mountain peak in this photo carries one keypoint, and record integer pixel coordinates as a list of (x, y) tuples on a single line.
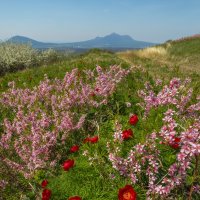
[(21, 39), (114, 34)]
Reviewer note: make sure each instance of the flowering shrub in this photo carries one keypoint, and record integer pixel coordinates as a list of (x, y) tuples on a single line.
[(176, 93), (48, 56), (14, 56), (180, 131), (19, 56), (44, 117)]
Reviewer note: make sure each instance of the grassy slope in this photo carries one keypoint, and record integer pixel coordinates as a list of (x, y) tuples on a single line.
[(179, 58), (183, 54), (88, 184), (93, 182), (32, 76)]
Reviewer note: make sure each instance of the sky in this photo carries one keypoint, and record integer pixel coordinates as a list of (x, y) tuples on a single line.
[(79, 20)]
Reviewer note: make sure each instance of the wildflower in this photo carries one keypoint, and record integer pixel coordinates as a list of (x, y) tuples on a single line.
[(126, 134), (127, 193), (174, 145), (85, 153), (176, 142), (196, 189), (75, 198), (128, 104), (91, 139), (68, 164), (3, 184), (74, 148), (94, 139), (46, 194), (92, 94), (158, 82), (133, 120), (44, 183), (177, 139), (86, 140)]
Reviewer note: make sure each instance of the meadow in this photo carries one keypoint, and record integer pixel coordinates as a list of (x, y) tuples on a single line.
[(101, 125)]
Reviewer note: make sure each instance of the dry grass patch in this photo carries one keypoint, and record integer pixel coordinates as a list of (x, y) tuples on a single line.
[(152, 52)]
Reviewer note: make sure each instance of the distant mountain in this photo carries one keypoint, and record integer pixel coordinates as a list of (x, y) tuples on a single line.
[(111, 41), (33, 43)]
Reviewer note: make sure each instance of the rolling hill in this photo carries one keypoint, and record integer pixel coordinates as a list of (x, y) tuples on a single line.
[(112, 41), (183, 53)]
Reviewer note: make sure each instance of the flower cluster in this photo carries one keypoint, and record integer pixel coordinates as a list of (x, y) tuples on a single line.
[(18, 56), (178, 133), (176, 93), (43, 117)]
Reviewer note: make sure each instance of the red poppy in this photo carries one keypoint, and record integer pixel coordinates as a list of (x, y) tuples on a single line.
[(127, 193), (74, 148), (133, 120), (126, 134), (44, 183), (91, 139), (68, 164), (75, 198), (176, 143), (177, 139), (94, 139), (92, 94), (46, 194), (86, 140)]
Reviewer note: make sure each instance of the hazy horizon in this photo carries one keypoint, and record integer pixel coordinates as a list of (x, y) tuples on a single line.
[(76, 20)]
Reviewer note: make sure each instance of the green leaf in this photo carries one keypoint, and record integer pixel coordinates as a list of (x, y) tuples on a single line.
[(189, 180)]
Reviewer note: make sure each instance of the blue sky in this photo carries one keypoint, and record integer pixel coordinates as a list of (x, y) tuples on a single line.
[(77, 20)]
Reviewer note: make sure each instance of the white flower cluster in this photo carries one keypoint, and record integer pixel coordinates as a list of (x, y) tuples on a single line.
[(19, 56)]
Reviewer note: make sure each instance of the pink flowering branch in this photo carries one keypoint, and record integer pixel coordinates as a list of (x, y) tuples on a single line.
[(176, 93), (176, 132), (49, 113)]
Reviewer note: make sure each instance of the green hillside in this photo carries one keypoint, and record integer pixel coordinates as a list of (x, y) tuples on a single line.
[(115, 149), (183, 54)]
